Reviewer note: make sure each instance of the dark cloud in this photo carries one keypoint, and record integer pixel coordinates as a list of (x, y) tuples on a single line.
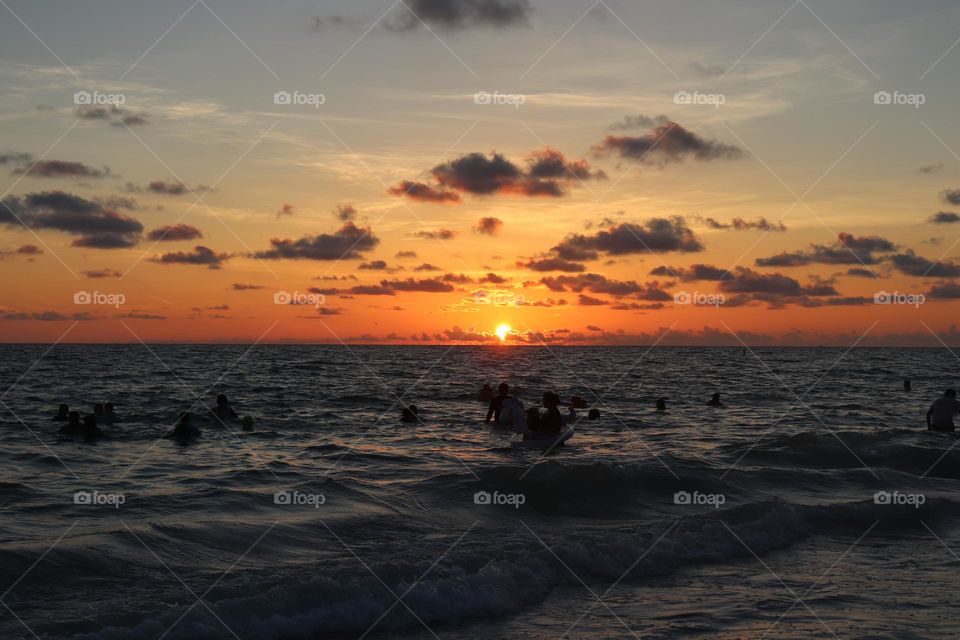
[(554, 264), (739, 224), (422, 192), (98, 227), (138, 315), (426, 266), (428, 285), (378, 265), (29, 250), (97, 274), (239, 286), (406, 254), (693, 273), (439, 234), (345, 212), (117, 202), (15, 157), (286, 209), (951, 196), (666, 143), (849, 249), (460, 14), (930, 168), (200, 256), (61, 169), (945, 291), (489, 225), (348, 242), (492, 278), (113, 114), (597, 283), (911, 264), (859, 272), (589, 301), (550, 164), (174, 233), (166, 188), (743, 280), (658, 235), (43, 316), (639, 122), (944, 217)]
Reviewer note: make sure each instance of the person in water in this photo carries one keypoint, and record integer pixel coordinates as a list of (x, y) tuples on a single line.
[(247, 423), (73, 426), (108, 415), (533, 420), (409, 414), (63, 413), (552, 421), (662, 404), (98, 410), (183, 430), (486, 393), (906, 385), (578, 403), (223, 410), (715, 401), (496, 405), (90, 430), (940, 414), (594, 414)]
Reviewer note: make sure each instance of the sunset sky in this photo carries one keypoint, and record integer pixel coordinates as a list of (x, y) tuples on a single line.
[(586, 173)]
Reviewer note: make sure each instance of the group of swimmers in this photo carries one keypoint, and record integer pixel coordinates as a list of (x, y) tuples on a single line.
[(184, 429)]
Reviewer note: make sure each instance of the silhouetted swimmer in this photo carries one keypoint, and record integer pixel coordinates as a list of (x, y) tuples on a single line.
[(493, 411), (63, 413), (486, 393), (183, 430), (533, 420), (409, 414), (715, 401), (940, 414), (98, 410), (662, 404), (90, 430), (223, 410), (247, 423), (73, 426), (906, 385), (594, 414), (108, 415)]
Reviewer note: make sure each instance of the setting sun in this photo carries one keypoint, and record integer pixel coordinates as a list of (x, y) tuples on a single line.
[(502, 331)]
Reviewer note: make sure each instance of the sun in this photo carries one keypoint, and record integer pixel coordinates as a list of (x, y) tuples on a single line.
[(502, 331)]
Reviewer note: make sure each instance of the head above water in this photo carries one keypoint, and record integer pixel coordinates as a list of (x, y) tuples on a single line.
[(89, 421), (74, 417), (594, 414), (716, 397), (184, 418), (222, 400), (108, 408), (63, 410), (950, 393), (503, 389), (98, 409), (550, 399)]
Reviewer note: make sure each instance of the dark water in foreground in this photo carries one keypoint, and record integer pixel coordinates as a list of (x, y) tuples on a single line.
[(787, 540)]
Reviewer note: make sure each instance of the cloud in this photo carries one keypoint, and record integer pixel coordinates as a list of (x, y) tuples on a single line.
[(589, 301), (43, 316), (97, 226), (911, 264), (597, 283), (422, 192), (745, 280), (951, 196), (15, 157), (944, 217), (439, 234), (554, 264), (493, 278), (286, 209), (174, 233), (137, 315), (426, 266), (378, 265), (859, 272), (199, 256), (739, 224), (657, 235), (428, 285), (29, 250), (693, 273), (849, 249), (489, 225), (61, 169), (345, 212), (666, 143), (113, 114), (406, 254), (166, 188), (945, 291), (460, 14), (930, 168), (348, 242), (550, 164), (239, 286), (639, 122), (97, 274)]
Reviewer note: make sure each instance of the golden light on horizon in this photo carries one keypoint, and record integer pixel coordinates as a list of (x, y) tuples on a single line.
[(502, 331)]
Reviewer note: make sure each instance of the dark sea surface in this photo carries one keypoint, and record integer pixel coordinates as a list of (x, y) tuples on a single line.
[(785, 535)]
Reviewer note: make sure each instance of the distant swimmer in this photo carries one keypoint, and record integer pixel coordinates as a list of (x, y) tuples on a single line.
[(940, 414), (715, 401), (247, 423), (594, 414), (90, 430), (552, 421), (183, 430), (906, 385), (223, 410), (578, 403), (410, 414), (73, 426), (533, 420), (109, 416), (63, 413), (662, 404), (496, 404), (486, 393), (98, 410)]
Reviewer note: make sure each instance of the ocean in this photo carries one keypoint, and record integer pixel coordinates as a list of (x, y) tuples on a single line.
[(814, 504)]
